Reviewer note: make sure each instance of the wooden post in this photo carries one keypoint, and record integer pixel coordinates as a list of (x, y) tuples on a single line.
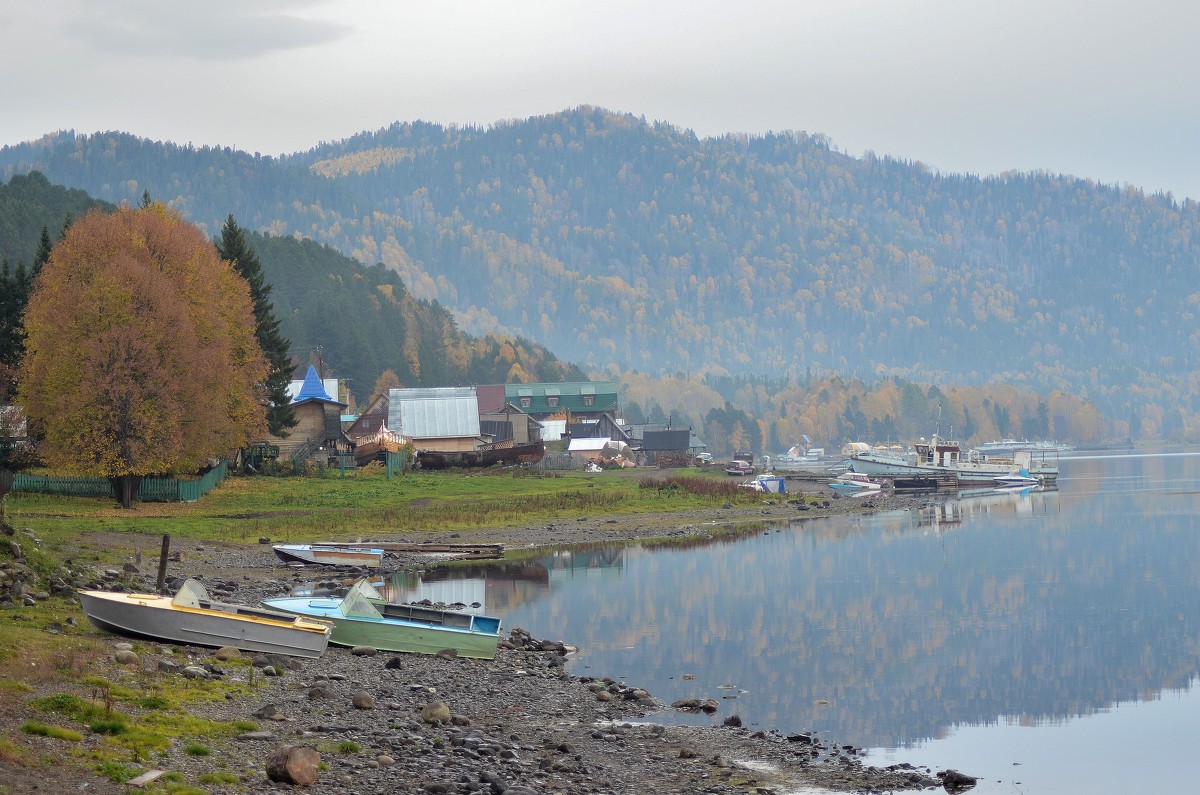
[(162, 562)]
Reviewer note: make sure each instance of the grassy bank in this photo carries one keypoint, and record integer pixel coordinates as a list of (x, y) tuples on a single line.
[(302, 509)]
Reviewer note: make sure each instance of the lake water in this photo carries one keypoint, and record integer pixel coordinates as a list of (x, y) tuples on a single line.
[(1046, 642)]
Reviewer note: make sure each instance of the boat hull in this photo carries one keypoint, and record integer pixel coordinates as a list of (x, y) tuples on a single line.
[(489, 455), (154, 617), (328, 556), (398, 634)]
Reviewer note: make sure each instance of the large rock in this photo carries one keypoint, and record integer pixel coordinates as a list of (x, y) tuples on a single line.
[(436, 712), (294, 764)]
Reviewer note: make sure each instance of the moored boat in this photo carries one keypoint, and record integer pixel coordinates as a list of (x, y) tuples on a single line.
[(1017, 477), (363, 618), (329, 555), (857, 481), (192, 617)]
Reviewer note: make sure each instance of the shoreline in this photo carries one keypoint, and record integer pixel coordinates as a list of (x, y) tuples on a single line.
[(520, 722)]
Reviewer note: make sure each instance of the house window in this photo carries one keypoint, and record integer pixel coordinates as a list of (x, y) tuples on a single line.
[(589, 400), (525, 402), (552, 401)]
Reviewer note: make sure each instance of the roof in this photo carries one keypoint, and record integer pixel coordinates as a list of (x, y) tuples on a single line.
[(588, 444), (314, 389), (434, 413)]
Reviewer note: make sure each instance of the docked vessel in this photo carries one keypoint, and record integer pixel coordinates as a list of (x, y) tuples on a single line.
[(944, 458), (363, 618), (192, 617)]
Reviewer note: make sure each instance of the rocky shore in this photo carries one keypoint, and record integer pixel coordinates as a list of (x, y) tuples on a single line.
[(386, 723)]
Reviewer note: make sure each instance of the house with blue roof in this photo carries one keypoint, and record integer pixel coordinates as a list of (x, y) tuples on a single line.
[(318, 433)]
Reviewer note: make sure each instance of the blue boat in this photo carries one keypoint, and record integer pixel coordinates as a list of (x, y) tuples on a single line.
[(364, 618)]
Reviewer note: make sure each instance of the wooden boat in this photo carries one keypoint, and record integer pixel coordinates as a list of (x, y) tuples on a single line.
[(370, 447), (329, 555), (363, 618), (192, 617), (505, 452), (856, 481)]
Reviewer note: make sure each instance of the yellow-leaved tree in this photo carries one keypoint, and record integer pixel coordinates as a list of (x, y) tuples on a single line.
[(140, 355)]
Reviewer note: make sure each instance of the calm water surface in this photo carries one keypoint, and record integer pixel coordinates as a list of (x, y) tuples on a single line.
[(1047, 642)]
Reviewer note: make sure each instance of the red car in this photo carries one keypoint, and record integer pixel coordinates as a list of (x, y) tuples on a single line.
[(740, 468)]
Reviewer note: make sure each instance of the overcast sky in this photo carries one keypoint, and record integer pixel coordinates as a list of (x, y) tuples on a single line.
[(1094, 88)]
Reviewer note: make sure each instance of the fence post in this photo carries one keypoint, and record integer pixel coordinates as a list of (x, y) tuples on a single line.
[(162, 562)]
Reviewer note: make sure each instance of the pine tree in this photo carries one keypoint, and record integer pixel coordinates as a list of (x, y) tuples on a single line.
[(43, 252), (234, 248)]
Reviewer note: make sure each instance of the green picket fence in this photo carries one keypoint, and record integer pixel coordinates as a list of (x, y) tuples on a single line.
[(150, 490)]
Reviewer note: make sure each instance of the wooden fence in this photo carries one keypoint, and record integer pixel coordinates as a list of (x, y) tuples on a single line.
[(150, 490)]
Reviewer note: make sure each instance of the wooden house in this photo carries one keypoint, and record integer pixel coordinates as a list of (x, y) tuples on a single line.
[(318, 431), (439, 418)]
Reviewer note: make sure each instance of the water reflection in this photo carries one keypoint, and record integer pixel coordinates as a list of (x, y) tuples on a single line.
[(1031, 606)]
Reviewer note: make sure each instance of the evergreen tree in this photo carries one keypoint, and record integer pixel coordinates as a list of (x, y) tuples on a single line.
[(234, 248), (43, 253)]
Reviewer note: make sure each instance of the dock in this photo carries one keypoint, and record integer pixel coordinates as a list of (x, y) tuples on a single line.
[(458, 551)]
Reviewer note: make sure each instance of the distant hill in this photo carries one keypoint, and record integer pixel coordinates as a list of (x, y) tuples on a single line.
[(363, 319), (614, 240), (365, 322), (29, 203)]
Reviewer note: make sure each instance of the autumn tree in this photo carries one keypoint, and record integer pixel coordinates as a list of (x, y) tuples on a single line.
[(386, 382), (140, 354), (277, 348)]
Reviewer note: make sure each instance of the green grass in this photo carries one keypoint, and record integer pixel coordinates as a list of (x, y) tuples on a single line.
[(56, 732), (312, 508)]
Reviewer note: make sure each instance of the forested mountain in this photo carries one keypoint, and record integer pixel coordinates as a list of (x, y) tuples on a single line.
[(365, 322), (614, 240), (362, 318)]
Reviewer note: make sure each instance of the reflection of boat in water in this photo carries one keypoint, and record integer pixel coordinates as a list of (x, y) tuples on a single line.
[(363, 618), (192, 617)]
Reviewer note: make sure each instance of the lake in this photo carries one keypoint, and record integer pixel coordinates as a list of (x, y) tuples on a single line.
[(1044, 641)]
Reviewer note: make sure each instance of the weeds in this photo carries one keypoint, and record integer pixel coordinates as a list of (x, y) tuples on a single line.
[(55, 732)]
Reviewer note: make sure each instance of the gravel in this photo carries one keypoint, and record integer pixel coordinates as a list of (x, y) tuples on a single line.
[(388, 723)]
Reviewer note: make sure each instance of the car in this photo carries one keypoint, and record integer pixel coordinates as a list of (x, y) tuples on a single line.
[(703, 459), (736, 467)]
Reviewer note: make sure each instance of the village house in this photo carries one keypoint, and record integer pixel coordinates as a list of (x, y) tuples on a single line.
[(318, 431)]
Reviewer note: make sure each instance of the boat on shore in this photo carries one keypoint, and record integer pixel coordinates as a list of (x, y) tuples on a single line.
[(329, 555), (193, 618), (372, 446), (503, 453), (857, 481), (363, 618), (770, 484)]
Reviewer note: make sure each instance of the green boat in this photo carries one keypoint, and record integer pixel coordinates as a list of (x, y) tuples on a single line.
[(364, 618)]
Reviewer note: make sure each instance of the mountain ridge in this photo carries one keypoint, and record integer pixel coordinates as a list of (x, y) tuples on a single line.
[(619, 242)]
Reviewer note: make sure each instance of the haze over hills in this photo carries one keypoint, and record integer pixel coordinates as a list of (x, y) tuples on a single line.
[(617, 242)]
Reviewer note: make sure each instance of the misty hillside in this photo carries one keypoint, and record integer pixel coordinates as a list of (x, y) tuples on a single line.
[(613, 240), (361, 318)]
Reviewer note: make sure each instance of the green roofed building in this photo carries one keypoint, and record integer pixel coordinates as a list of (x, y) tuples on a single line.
[(579, 398)]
